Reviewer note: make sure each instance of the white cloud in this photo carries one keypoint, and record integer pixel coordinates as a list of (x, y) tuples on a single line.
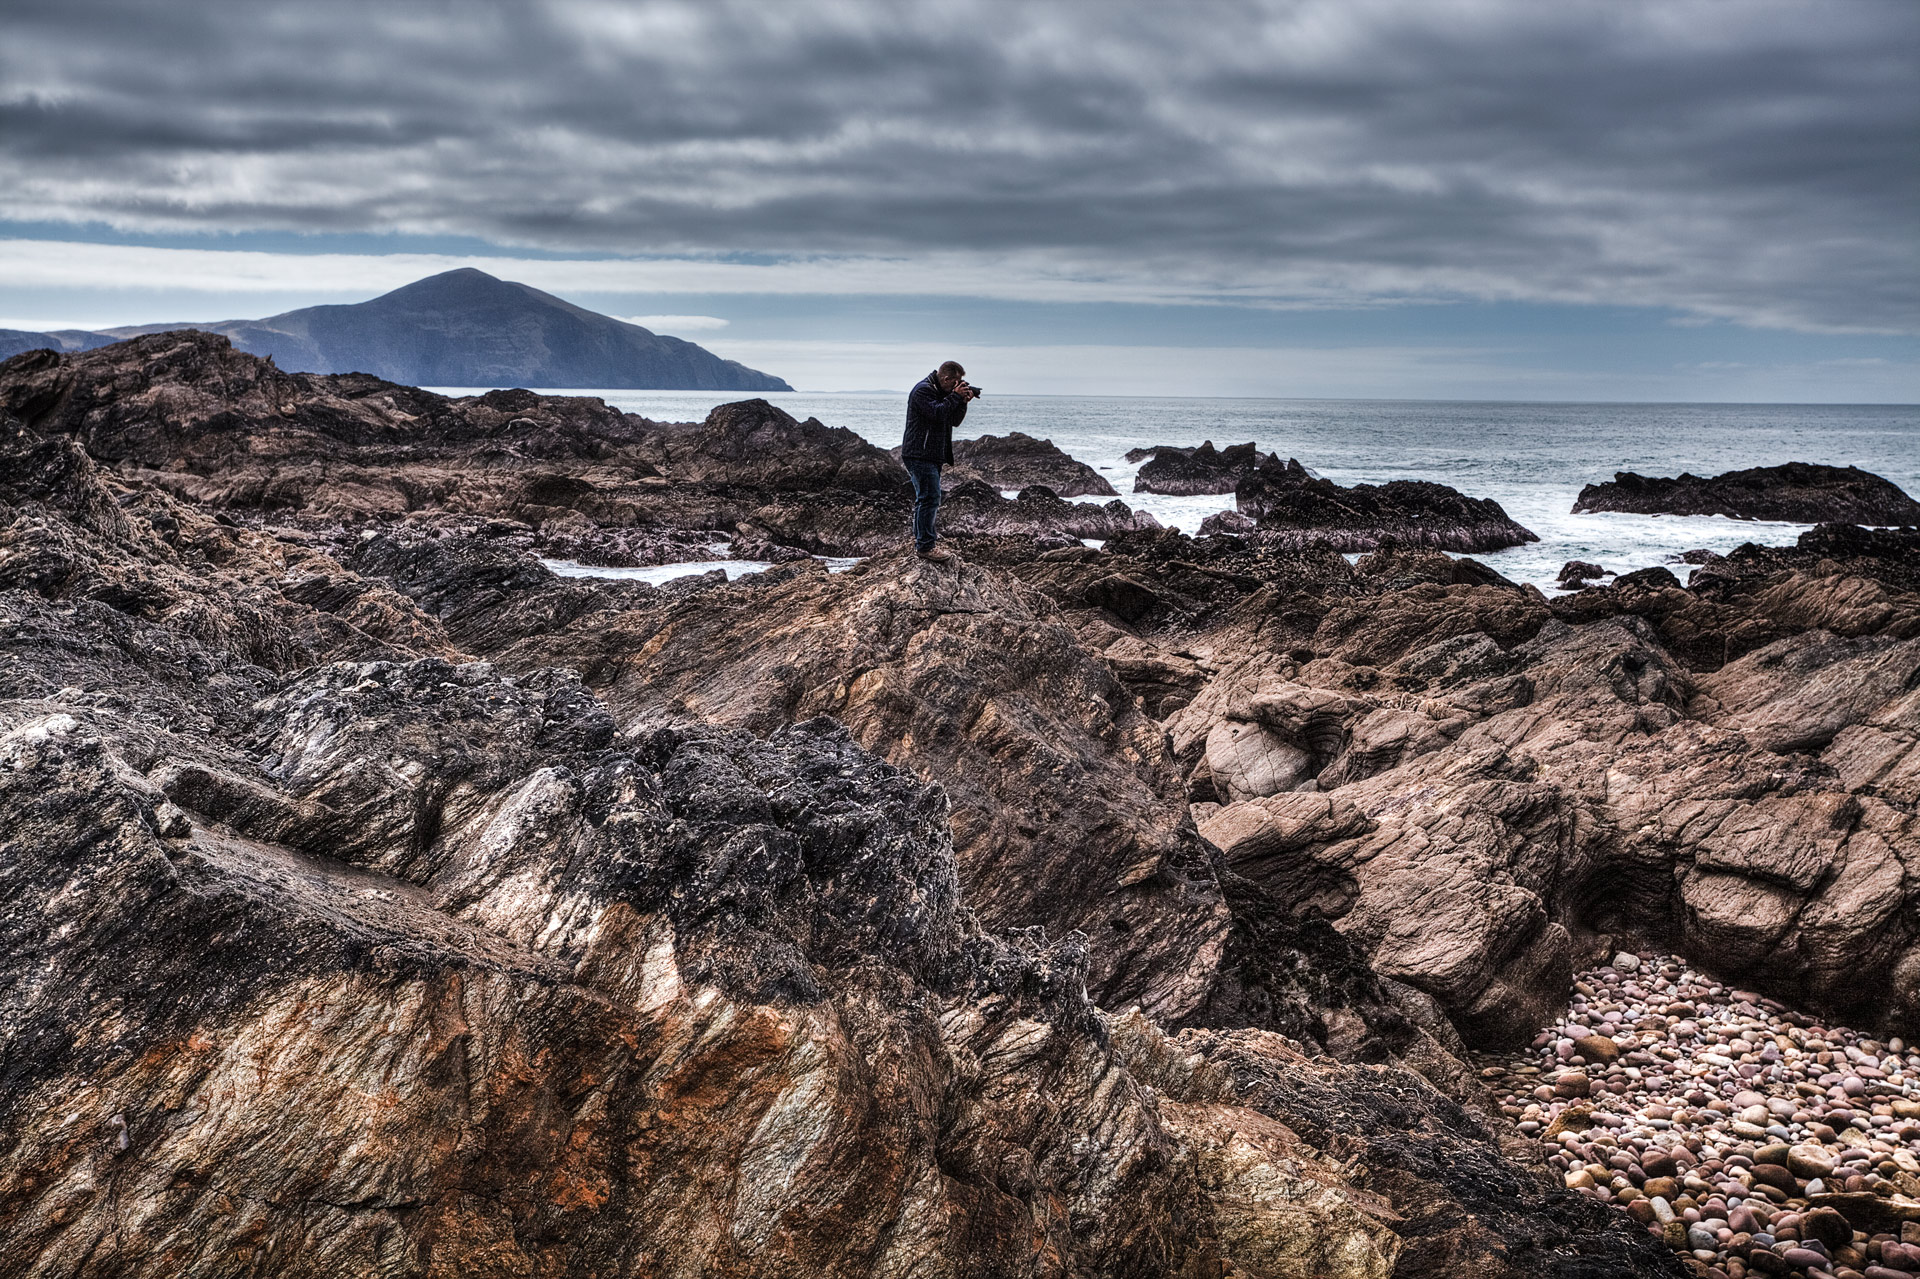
[(1739, 159), (74, 264)]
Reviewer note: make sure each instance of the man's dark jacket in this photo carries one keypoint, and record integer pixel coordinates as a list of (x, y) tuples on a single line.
[(931, 416)]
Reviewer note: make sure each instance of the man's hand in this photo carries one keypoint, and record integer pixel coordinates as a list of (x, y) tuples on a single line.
[(966, 390)]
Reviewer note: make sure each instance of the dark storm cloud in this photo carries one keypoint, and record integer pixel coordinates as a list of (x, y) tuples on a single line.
[(1737, 158)]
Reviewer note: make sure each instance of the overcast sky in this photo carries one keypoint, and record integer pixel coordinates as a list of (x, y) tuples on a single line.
[(1684, 199)]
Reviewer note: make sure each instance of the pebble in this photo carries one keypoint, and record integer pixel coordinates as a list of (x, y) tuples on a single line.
[(1715, 1118)]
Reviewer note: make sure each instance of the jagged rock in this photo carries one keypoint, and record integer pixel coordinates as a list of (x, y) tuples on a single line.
[(1016, 460), (757, 444), (1274, 840), (1294, 509), (705, 1002), (1839, 578), (1471, 1214), (1230, 523), (1798, 493), (483, 591), (162, 588), (1067, 810), (1575, 574), (1190, 471), (1377, 630), (870, 523), (1528, 781)]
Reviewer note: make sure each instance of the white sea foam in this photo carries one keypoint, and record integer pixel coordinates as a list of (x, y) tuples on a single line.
[(660, 574)]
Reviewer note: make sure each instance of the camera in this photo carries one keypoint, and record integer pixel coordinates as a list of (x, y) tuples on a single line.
[(977, 391)]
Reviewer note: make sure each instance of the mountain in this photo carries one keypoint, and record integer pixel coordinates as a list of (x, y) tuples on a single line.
[(14, 341), (467, 328)]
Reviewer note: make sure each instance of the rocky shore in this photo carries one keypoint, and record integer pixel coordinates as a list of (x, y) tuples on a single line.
[(373, 899), (1748, 1137)]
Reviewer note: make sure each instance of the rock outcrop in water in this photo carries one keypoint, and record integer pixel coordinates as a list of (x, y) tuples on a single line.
[(1186, 472), (1796, 493), (1295, 510)]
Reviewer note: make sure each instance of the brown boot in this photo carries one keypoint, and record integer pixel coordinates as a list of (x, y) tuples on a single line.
[(937, 554)]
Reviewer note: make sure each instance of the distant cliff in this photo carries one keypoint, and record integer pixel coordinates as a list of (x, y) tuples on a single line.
[(466, 328)]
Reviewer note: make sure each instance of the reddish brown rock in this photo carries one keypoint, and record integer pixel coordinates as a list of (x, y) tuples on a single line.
[(1067, 809)]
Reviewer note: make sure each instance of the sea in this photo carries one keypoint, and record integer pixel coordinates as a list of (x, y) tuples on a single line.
[(1532, 458)]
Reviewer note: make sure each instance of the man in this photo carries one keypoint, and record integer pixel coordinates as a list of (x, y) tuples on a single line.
[(934, 408)]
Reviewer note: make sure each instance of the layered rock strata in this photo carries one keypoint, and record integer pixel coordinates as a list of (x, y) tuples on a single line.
[(1324, 823), (1470, 780), (1797, 493)]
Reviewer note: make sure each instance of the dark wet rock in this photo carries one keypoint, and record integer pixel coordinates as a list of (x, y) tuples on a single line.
[(189, 402), (485, 593), (1797, 493), (1294, 509), (1016, 460), (1467, 1213), (756, 444), (1189, 471), (871, 523), (1229, 523), (1575, 574), (1837, 577)]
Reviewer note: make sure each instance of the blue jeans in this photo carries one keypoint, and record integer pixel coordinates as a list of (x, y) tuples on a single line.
[(926, 501)]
